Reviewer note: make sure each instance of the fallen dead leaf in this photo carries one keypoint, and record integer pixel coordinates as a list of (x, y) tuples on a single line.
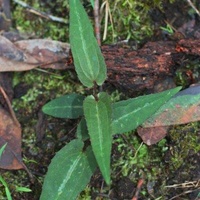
[(28, 54), (8, 65), (10, 51), (152, 135), (10, 133), (45, 51)]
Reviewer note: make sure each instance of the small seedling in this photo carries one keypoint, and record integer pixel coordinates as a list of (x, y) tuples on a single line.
[(168, 29)]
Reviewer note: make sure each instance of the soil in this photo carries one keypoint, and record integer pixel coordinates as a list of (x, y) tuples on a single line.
[(168, 171)]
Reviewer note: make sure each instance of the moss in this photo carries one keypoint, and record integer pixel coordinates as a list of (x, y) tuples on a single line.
[(188, 73), (38, 26), (43, 86), (131, 19), (185, 141), (13, 181), (136, 159), (85, 194)]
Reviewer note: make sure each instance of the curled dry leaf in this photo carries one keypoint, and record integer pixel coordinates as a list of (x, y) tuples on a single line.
[(14, 59), (28, 54), (7, 65), (46, 51), (10, 51), (10, 133)]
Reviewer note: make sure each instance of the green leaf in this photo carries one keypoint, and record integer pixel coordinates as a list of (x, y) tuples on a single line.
[(129, 114), (2, 149), (92, 3), (23, 189), (68, 106), (88, 59), (82, 131), (98, 119), (8, 194), (69, 172)]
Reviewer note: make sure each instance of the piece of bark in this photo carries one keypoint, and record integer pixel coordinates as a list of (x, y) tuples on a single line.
[(148, 68), (139, 71), (189, 46)]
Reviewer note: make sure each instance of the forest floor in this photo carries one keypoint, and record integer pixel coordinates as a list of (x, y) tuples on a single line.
[(167, 170)]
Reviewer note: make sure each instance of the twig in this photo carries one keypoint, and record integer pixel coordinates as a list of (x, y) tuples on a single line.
[(97, 21), (139, 186), (9, 106), (191, 184), (193, 6), (186, 192), (188, 184), (41, 14)]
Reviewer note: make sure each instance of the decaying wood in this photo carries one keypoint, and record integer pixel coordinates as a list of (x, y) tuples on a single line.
[(150, 68), (133, 71)]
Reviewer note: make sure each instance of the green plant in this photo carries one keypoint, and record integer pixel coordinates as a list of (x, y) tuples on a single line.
[(2, 150), (8, 193), (168, 29), (17, 188), (3, 182), (72, 167)]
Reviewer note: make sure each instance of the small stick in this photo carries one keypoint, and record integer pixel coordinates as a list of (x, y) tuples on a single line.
[(193, 6), (139, 186), (97, 21), (9, 106), (41, 14)]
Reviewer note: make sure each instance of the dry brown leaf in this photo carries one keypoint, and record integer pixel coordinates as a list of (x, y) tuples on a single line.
[(8, 65), (10, 51), (152, 135), (46, 51), (28, 54), (10, 133)]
